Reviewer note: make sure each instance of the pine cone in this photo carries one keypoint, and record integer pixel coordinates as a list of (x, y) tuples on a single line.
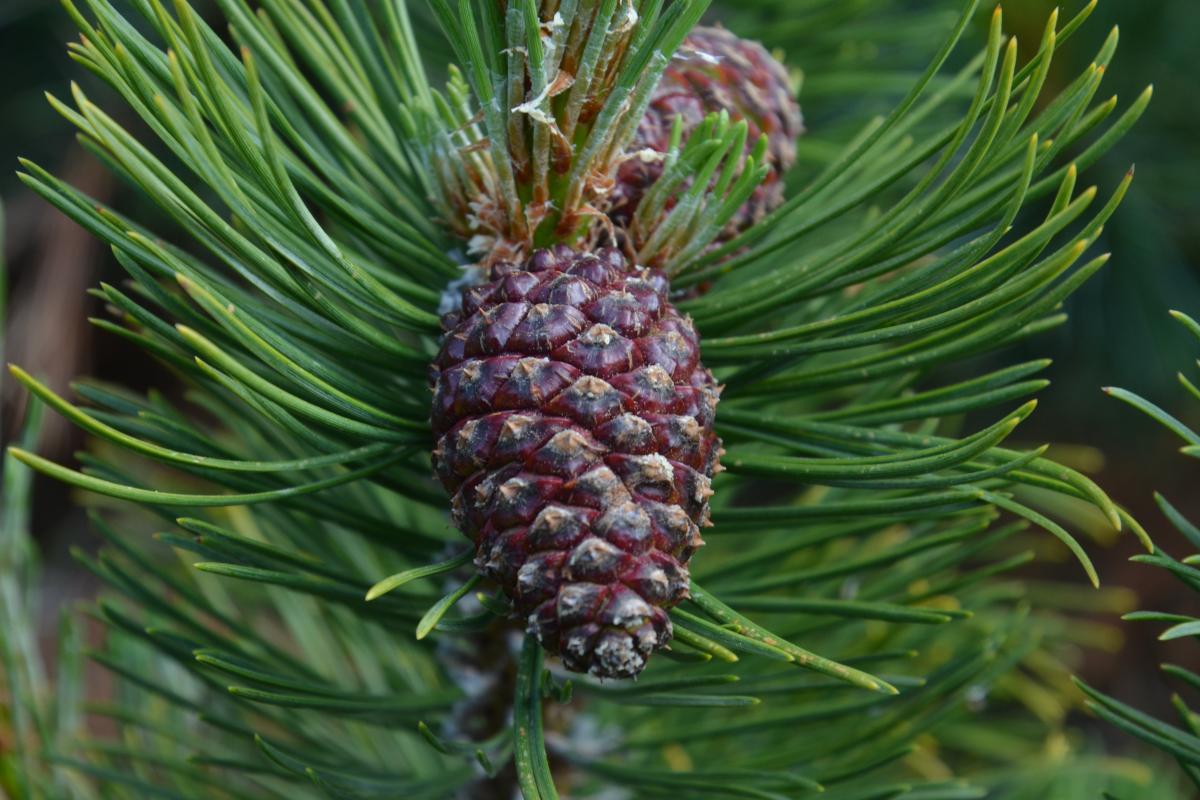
[(715, 71), (575, 431)]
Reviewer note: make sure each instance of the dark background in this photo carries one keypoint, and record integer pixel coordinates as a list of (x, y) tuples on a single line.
[(1119, 333)]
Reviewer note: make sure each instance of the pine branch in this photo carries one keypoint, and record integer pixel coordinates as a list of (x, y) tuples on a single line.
[(293, 286)]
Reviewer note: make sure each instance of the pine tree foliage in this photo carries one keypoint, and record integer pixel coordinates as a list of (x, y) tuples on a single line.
[(39, 706), (849, 622), (1181, 742), (41, 710)]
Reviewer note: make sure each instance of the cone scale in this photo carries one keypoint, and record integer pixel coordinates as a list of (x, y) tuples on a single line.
[(714, 71), (574, 426)]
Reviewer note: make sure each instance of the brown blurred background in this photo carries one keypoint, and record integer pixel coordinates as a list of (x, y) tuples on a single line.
[(1119, 333)]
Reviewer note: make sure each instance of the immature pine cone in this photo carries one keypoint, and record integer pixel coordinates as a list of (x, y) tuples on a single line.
[(715, 71), (575, 431)]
